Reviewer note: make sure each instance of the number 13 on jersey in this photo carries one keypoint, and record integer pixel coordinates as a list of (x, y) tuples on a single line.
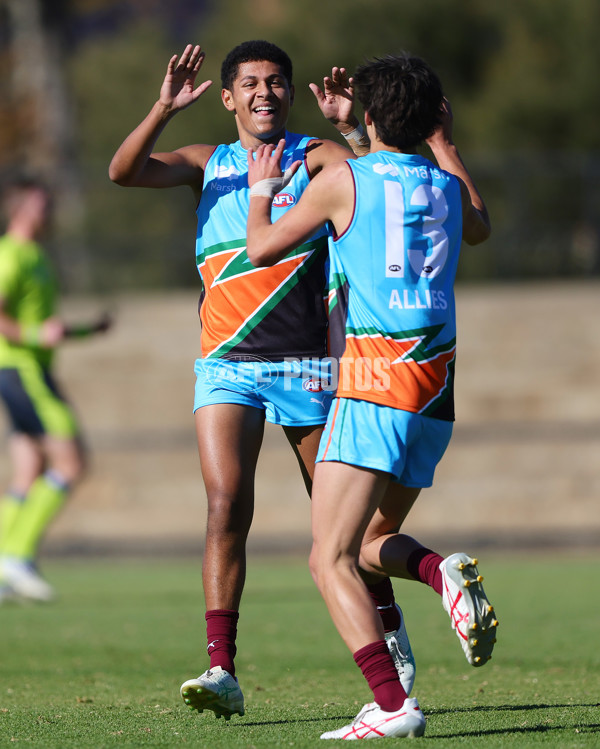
[(421, 243)]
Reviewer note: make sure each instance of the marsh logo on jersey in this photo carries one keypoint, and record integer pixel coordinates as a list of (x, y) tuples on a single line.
[(283, 200)]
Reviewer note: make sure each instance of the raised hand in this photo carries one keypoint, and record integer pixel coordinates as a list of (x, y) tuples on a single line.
[(442, 135), (336, 99), (264, 170), (177, 91)]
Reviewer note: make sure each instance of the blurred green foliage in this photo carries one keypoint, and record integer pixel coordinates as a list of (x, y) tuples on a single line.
[(521, 76)]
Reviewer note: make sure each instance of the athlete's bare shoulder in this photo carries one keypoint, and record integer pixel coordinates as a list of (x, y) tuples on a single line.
[(332, 192), (195, 155), (321, 152), (336, 170), (184, 166)]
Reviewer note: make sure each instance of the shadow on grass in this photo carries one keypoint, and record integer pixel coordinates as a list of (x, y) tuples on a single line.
[(337, 718), (493, 708), (346, 718), (525, 730)]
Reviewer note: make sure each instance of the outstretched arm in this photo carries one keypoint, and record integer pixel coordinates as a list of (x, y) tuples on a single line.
[(134, 164), (101, 324), (49, 333), (336, 102), (476, 222)]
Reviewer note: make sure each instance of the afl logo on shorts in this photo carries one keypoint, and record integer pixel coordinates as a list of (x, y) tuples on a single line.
[(313, 386), (283, 200)]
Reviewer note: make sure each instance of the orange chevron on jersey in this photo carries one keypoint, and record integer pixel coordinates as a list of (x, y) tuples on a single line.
[(267, 313), (214, 264), (401, 371), (238, 296)]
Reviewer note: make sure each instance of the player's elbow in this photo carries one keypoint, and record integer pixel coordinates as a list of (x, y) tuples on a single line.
[(259, 256), (478, 229), (477, 237), (116, 177), (118, 174)]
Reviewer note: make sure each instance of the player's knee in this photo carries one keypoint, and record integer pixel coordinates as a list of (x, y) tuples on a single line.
[(324, 565), (228, 512), (71, 471), (66, 458)]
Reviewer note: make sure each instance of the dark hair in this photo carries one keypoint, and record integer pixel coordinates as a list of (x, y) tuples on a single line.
[(403, 96), (254, 51)]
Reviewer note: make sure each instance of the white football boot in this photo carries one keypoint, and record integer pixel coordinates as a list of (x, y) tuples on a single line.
[(374, 723), (402, 655), (25, 581), (215, 690), (471, 614)]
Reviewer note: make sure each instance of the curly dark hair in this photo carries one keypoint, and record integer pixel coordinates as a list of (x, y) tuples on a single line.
[(254, 51), (403, 96)]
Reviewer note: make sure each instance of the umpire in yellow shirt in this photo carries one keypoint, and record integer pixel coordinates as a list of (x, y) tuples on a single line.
[(45, 447)]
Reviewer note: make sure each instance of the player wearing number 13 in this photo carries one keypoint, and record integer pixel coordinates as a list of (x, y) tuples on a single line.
[(397, 220), (395, 291)]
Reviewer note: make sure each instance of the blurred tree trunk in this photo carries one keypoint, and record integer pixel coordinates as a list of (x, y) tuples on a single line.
[(40, 103)]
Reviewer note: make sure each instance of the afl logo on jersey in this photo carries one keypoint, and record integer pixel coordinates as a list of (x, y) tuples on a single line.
[(313, 386), (283, 200)]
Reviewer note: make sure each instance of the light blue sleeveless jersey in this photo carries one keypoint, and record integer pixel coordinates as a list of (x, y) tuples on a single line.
[(391, 285), (258, 312)]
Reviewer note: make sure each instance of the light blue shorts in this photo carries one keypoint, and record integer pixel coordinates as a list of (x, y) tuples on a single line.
[(291, 393), (408, 446)]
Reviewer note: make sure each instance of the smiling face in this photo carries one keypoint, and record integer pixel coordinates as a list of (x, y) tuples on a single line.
[(260, 98)]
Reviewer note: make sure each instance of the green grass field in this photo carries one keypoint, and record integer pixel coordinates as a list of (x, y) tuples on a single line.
[(103, 665)]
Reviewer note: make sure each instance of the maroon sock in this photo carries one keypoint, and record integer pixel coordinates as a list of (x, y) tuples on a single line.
[(382, 595), (424, 565), (221, 630), (378, 668)]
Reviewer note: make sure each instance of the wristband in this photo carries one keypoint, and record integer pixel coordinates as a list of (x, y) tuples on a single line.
[(30, 334), (269, 187), (357, 136)]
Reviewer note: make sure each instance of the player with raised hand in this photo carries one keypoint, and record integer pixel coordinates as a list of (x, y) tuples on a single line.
[(336, 102), (134, 164), (264, 332), (397, 223), (177, 91)]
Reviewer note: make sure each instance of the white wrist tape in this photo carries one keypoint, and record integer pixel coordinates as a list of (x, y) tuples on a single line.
[(268, 188), (356, 136)]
